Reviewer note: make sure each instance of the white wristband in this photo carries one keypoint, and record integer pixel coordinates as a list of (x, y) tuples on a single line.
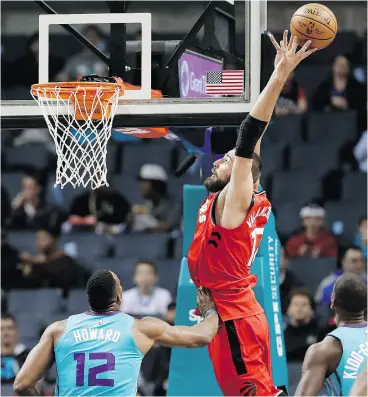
[(208, 312)]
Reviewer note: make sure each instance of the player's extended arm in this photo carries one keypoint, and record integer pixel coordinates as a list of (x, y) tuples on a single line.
[(158, 331), (38, 362), (198, 335), (315, 367), (240, 191)]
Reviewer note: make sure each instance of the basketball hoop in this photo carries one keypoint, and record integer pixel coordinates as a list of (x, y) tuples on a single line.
[(79, 116)]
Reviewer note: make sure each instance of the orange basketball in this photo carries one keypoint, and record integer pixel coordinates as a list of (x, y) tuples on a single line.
[(314, 22)]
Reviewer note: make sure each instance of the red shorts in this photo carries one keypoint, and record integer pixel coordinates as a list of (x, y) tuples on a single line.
[(241, 358)]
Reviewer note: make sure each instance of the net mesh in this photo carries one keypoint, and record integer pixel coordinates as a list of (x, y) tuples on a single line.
[(80, 124)]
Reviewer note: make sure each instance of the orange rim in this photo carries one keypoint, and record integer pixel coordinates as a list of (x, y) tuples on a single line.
[(82, 94), (70, 86)]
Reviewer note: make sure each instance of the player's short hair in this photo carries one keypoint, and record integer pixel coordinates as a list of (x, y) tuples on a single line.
[(146, 262), (101, 290), (351, 293), (303, 292), (256, 167)]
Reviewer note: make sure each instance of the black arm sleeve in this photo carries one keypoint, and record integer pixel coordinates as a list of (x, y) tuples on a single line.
[(249, 133)]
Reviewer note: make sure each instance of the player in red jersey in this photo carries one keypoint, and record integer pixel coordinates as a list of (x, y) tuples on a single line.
[(229, 230)]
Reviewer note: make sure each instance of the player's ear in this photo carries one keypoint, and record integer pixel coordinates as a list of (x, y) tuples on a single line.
[(119, 296), (332, 305)]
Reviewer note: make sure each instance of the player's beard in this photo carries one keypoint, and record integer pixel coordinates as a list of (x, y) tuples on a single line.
[(214, 184)]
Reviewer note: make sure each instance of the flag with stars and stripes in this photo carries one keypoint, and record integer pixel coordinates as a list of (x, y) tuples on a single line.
[(226, 82)]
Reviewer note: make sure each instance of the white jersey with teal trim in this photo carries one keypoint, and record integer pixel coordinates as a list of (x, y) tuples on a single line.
[(97, 356), (354, 358)]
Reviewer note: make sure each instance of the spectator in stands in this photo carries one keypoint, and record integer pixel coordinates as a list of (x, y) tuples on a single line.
[(104, 209), (352, 261), (30, 210), (13, 353), (293, 99), (5, 205), (341, 92), (86, 62), (313, 240), (11, 275), (360, 152), (159, 213), (302, 328), (155, 367), (51, 267), (361, 239), (24, 70), (146, 298), (288, 280)]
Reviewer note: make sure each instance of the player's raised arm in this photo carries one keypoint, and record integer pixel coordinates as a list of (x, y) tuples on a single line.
[(155, 330), (39, 360), (240, 189)]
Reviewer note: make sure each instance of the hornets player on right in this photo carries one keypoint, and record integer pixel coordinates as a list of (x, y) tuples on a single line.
[(338, 360)]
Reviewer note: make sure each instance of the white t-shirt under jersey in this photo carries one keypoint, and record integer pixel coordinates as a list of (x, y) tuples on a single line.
[(155, 305)]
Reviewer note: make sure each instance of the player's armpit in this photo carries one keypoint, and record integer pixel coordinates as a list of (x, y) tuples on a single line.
[(315, 367), (39, 360), (198, 335)]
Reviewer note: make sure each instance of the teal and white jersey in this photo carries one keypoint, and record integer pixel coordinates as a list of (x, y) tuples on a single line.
[(97, 356), (354, 358)]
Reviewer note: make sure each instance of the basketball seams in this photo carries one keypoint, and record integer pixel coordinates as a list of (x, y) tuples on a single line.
[(324, 8), (308, 38), (327, 10), (303, 16)]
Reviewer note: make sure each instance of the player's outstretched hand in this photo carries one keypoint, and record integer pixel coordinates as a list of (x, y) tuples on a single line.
[(204, 301), (287, 58)]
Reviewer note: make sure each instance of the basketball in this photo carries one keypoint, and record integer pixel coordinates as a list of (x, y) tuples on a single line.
[(314, 22)]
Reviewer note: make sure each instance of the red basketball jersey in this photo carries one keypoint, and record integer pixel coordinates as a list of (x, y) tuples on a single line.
[(220, 259)]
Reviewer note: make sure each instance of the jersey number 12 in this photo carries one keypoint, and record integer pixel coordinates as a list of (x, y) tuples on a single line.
[(80, 358)]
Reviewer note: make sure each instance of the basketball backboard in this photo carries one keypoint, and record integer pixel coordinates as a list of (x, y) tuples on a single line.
[(163, 45)]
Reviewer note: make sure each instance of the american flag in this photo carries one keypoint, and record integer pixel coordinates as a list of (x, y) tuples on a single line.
[(226, 82)]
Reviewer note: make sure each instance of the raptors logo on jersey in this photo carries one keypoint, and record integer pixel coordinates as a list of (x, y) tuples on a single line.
[(220, 259)]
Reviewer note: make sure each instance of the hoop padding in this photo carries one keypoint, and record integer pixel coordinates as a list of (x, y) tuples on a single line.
[(79, 116)]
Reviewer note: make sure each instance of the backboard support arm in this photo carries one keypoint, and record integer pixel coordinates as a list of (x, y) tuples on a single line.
[(188, 39), (74, 32), (117, 61)]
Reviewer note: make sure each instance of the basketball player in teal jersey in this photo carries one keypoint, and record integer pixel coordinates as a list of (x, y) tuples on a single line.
[(342, 355), (99, 353)]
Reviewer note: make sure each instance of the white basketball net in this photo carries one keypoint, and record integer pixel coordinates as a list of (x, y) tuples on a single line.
[(81, 145)]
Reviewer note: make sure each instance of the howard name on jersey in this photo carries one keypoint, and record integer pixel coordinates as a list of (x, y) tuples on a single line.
[(220, 259)]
